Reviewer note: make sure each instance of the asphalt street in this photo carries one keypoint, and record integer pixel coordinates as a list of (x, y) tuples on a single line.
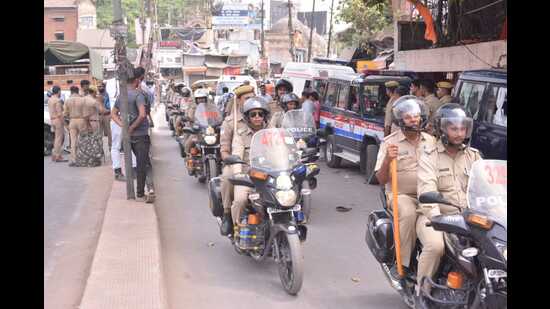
[(74, 207), (202, 270)]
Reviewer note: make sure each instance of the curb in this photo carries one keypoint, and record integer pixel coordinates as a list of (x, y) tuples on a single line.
[(126, 271)]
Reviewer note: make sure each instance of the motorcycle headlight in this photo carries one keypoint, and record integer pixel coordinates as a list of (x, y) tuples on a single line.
[(210, 139), (301, 144), (284, 182), (286, 198)]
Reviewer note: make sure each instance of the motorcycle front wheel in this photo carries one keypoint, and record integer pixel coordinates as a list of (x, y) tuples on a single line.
[(291, 262), (212, 170)]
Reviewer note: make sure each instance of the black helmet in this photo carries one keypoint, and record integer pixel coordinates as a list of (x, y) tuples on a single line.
[(255, 103), (284, 83), (289, 97), (410, 105), (185, 92), (452, 114)]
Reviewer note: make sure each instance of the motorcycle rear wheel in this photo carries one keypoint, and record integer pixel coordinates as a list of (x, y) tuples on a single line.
[(291, 262)]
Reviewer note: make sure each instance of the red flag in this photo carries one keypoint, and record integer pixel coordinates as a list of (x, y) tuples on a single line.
[(504, 33)]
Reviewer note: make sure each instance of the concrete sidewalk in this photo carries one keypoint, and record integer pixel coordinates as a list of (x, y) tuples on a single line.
[(126, 270)]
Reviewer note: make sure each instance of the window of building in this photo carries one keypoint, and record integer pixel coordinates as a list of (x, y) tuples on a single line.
[(60, 36), (59, 18), (87, 21)]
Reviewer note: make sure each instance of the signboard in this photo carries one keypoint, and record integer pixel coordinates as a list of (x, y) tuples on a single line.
[(243, 15), (170, 44)]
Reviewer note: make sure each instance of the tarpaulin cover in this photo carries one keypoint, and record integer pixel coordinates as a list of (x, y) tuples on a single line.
[(182, 33), (64, 52)]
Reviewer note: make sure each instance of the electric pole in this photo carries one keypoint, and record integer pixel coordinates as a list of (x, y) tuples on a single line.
[(311, 33), (290, 31), (262, 33), (119, 31), (330, 31)]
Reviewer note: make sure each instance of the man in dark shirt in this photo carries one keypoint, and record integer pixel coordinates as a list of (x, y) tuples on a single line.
[(139, 135)]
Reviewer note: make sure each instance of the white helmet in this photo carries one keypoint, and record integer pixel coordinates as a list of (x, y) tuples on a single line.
[(200, 93)]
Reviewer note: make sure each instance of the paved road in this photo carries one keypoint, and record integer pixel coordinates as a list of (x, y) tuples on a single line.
[(201, 276), (74, 207)]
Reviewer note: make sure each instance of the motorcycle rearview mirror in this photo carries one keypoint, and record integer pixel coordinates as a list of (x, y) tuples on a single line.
[(232, 159)]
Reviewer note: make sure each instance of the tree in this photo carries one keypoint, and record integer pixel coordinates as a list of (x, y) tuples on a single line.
[(132, 9), (367, 18)]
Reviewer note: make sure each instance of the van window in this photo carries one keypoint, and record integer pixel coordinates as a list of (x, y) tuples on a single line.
[(371, 94), (470, 97), (354, 100), (343, 97), (494, 110), (320, 86), (330, 97)]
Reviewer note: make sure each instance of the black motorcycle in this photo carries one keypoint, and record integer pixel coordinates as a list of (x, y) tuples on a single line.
[(204, 158), (270, 225), (473, 270), (301, 126)]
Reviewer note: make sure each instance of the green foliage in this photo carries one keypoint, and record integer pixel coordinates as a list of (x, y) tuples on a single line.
[(367, 18), (131, 9)]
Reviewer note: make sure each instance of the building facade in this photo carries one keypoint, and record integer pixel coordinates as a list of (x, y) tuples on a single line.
[(60, 20)]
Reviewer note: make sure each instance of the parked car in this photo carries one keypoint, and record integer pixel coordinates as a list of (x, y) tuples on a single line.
[(352, 117), (483, 93)]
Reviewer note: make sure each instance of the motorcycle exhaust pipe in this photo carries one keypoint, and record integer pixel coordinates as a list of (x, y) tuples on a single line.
[(306, 202)]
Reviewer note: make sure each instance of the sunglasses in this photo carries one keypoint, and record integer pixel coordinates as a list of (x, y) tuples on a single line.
[(257, 114)]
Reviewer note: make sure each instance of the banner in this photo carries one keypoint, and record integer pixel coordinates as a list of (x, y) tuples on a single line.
[(229, 15)]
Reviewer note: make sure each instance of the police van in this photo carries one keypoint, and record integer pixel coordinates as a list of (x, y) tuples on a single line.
[(352, 116), (303, 75)]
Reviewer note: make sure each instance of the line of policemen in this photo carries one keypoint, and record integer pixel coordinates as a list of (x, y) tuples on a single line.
[(425, 162), (85, 112)]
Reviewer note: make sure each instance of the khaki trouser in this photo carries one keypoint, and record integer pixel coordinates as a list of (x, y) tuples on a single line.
[(239, 203), (433, 248), (407, 225), (59, 130), (106, 127), (226, 188), (75, 127)]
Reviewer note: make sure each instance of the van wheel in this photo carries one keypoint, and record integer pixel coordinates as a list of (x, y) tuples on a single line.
[(370, 162), (332, 160)]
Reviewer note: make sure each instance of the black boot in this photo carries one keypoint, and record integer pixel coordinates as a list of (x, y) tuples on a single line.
[(227, 224)]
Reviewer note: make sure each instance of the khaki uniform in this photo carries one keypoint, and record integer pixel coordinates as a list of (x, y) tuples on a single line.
[(93, 111), (407, 164), (437, 171), (226, 141), (105, 121), (56, 115), (388, 116), (241, 148), (276, 120), (446, 99), (433, 103), (74, 109), (190, 113), (274, 107)]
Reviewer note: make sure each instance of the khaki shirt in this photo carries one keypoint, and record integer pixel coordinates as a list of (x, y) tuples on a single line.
[(74, 107), (226, 138), (274, 107), (55, 108), (437, 171), (276, 120), (388, 115), (433, 104), (92, 107), (190, 111), (408, 156), (446, 99)]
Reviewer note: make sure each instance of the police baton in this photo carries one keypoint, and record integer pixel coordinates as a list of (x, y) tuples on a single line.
[(393, 173)]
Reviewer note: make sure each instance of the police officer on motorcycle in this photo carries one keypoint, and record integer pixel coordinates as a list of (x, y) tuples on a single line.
[(201, 97), (282, 87), (242, 93), (255, 114), (288, 102), (185, 102), (405, 145), (443, 168)]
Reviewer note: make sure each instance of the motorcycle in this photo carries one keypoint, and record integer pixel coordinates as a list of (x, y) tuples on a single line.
[(473, 269), (271, 223), (301, 126), (204, 159)]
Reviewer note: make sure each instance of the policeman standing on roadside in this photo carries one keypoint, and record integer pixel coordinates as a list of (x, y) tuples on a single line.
[(391, 92), (443, 168), (74, 109), (444, 89), (242, 93), (93, 109), (56, 116), (406, 145), (427, 89)]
